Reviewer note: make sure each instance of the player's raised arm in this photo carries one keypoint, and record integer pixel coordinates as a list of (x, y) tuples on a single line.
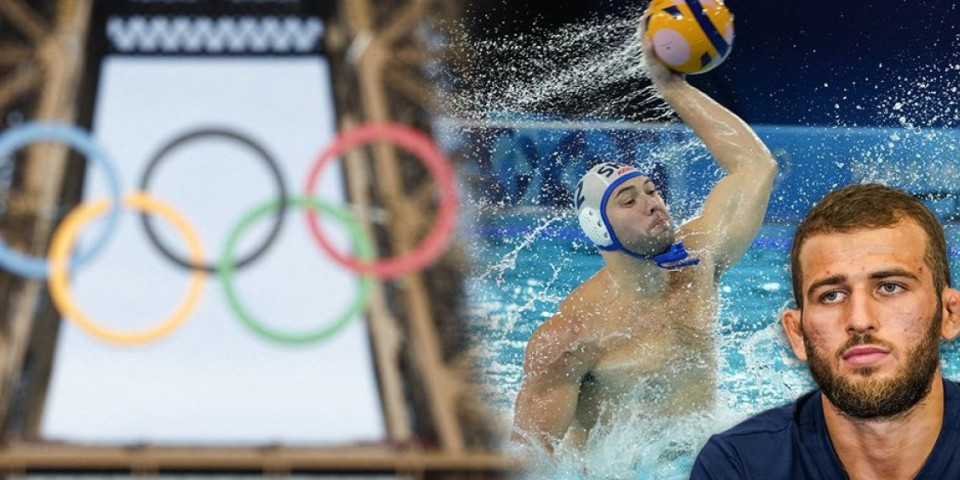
[(734, 209)]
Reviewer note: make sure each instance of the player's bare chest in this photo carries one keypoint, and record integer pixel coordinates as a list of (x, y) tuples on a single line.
[(646, 337)]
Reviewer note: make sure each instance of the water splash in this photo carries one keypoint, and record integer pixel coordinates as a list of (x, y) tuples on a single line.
[(636, 445), (509, 261), (551, 72)]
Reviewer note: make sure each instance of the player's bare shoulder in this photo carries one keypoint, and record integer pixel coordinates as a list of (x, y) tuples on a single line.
[(565, 343)]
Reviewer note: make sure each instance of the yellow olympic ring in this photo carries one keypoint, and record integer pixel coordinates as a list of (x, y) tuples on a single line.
[(63, 242)]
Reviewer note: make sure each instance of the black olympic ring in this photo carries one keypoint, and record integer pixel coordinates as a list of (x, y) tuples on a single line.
[(215, 132)]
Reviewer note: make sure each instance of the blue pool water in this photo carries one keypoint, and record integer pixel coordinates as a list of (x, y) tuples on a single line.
[(526, 263)]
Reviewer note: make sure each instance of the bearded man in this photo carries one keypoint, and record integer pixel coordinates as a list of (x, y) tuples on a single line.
[(872, 288)]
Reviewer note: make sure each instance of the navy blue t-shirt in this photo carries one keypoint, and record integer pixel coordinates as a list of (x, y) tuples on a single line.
[(791, 442)]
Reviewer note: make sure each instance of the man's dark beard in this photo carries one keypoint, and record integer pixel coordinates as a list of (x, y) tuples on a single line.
[(874, 399)]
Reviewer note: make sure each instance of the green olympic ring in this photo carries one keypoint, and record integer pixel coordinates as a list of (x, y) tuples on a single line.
[(361, 244)]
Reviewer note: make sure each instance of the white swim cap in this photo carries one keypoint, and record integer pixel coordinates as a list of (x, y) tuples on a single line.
[(593, 191)]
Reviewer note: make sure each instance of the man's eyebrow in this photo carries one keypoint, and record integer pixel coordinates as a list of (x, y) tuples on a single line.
[(838, 279), (894, 272), (831, 280), (626, 189)]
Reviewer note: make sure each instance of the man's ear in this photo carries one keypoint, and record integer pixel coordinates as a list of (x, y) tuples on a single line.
[(790, 319), (951, 314)]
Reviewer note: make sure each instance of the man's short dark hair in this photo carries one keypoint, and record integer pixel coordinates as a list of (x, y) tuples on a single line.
[(864, 207)]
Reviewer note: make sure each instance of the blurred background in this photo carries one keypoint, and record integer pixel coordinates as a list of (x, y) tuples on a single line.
[(294, 364)]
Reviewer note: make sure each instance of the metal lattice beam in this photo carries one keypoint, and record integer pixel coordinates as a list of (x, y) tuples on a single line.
[(54, 73)]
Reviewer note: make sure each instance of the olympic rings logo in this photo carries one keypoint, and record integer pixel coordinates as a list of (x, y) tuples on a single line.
[(61, 259)]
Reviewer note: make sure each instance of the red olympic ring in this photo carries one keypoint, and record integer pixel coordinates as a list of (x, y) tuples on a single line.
[(437, 164)]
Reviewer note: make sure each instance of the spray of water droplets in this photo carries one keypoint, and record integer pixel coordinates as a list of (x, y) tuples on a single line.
[(552, 73)]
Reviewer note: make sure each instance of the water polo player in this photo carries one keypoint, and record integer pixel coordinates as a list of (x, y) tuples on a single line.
[(638, 335)]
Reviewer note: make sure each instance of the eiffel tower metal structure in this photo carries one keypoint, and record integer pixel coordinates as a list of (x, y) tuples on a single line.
[(378, 52)]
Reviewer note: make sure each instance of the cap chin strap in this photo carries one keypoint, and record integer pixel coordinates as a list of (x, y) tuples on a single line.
[(673, 258)]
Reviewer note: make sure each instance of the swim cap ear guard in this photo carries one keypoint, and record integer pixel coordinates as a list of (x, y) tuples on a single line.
[(592, 224), (593, 192)]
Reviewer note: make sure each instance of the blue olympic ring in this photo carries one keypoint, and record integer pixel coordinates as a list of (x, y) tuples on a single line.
[(14, 138)]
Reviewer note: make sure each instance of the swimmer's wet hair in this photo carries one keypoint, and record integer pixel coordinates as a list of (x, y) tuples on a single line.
[(864, 207)]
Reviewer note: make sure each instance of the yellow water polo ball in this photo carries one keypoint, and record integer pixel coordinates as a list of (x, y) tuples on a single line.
[(690, 36)]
